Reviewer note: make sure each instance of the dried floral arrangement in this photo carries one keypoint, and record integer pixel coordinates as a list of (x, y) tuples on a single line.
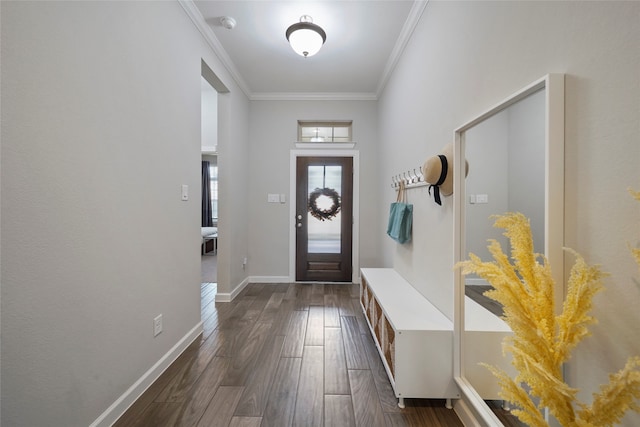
[(542, 341), (324, 213)]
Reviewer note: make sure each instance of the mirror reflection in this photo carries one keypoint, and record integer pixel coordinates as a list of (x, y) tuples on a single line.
[(506, 155)]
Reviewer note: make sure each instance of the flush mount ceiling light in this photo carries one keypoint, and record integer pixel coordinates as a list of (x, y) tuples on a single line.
[(305, 37)]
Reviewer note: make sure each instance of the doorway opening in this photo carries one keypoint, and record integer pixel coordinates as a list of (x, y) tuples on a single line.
[(210, 88), (209, 225), (209, 176)]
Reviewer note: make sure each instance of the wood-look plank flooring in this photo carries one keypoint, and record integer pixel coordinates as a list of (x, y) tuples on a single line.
[(476, 293), (281, 355)]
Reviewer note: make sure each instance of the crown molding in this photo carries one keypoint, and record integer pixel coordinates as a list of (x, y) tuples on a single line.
[(198, 20), (313, 96), (405, 35)]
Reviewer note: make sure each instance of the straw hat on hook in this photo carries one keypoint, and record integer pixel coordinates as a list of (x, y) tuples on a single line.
[(438, 172)]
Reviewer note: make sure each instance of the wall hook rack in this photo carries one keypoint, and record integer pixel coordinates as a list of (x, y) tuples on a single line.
[(410, 178)]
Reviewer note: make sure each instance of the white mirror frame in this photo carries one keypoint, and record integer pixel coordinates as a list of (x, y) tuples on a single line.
[(554, 220)]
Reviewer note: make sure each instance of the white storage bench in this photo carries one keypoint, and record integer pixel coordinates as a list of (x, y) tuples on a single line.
[(484, 333), (414, 338)]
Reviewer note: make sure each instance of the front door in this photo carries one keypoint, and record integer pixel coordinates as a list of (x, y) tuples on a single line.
[(324, 218)]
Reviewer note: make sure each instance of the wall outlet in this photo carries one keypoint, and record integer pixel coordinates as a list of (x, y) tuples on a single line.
[(244, 262), (157, 325)]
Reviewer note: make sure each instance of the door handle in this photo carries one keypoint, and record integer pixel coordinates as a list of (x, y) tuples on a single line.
[(299, 224), (299, 216)]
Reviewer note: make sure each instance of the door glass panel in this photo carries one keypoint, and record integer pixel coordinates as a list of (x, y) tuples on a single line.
[(324, 192)]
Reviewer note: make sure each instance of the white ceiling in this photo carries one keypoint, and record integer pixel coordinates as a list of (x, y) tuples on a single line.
[(364, 40)]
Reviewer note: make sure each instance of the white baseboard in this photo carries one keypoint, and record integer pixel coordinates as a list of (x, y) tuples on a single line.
[(465, 414), (269, 279), (229, 296), (223, 297), (119, 407)]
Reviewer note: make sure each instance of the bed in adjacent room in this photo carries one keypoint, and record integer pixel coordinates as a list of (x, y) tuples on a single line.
[(209, 240)]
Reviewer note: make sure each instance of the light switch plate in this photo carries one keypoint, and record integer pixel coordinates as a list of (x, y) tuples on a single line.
[(185, 192), (273, 198)]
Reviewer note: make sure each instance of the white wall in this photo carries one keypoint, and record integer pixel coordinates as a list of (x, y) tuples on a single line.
[(273, 134), (233, 190), (507, 154), (100, 128), (209, 117), (527, 163), (487, 151), (213, 160), (467, 56)]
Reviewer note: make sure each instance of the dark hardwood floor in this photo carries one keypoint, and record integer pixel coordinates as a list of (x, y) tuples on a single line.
[(281, 355), (476, 293)]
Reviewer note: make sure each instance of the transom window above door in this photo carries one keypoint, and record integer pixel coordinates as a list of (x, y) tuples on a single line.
[(321, 131)]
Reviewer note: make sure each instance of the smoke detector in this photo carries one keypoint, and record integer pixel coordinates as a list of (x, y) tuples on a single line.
[(228, 22)]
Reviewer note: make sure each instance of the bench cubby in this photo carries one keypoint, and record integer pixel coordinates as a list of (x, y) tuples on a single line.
[(413, 337)]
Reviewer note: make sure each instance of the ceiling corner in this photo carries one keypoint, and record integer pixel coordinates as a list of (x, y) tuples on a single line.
[(198, 20)]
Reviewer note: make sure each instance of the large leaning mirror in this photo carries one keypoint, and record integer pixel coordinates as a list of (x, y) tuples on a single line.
[(515, 152)]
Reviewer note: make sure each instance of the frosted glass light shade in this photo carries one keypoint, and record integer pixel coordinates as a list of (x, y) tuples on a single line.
[(306, 38)]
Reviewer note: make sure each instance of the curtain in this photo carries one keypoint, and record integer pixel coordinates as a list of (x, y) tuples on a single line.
[(207, 221)]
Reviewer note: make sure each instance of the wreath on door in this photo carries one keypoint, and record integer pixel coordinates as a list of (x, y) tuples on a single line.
[(321, 212)]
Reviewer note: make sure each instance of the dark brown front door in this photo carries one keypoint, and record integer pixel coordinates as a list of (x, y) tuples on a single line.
[(324, 218)]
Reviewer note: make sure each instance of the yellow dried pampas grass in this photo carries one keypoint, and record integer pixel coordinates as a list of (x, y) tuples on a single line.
[(542, 341)]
